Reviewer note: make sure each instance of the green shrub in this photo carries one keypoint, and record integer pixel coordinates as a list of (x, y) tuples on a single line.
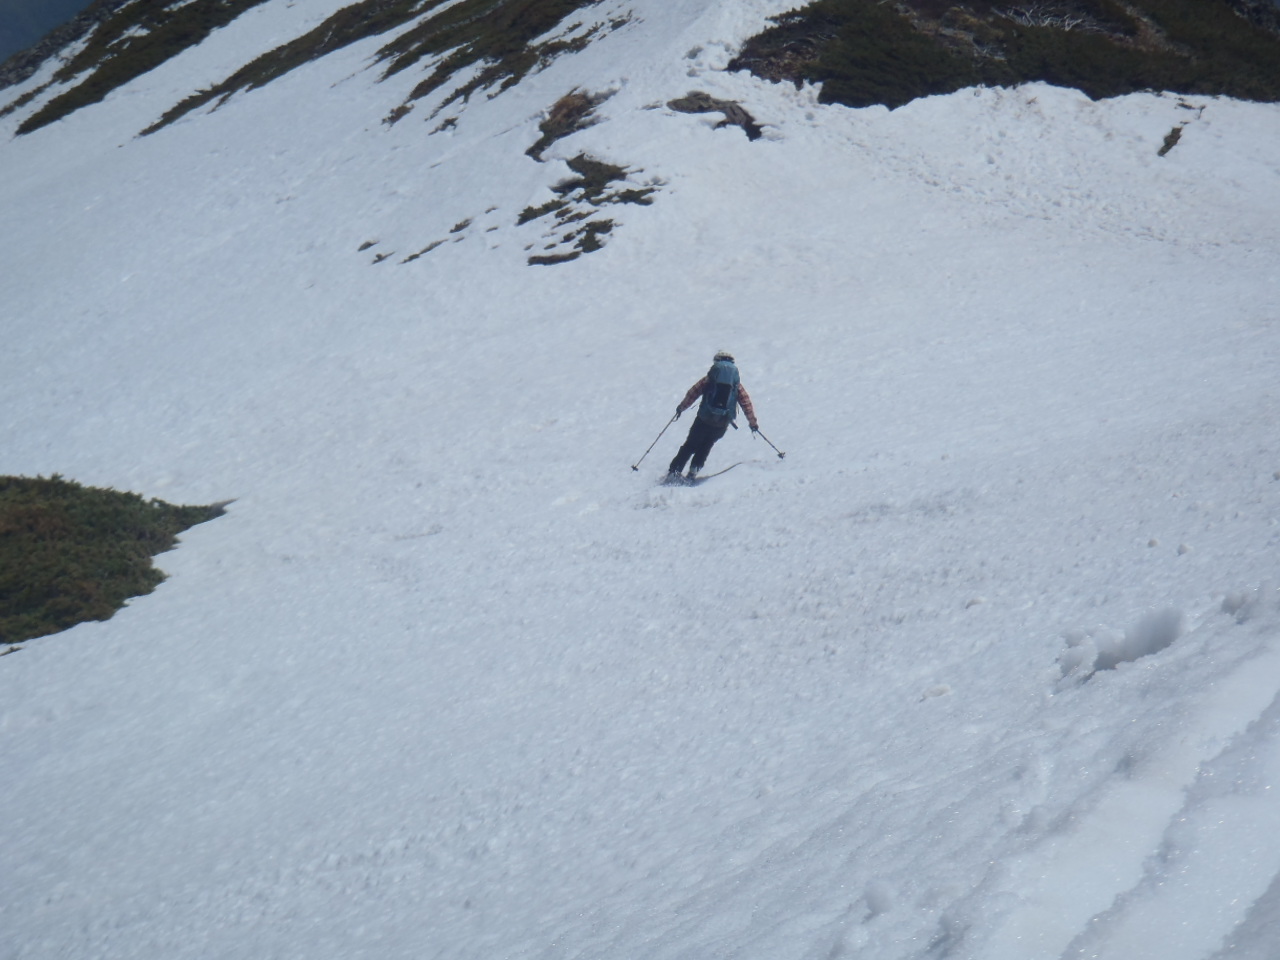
[(879, 58), (864, 52), (70, 553)]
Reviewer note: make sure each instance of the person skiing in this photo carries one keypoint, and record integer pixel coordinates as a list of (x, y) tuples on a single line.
[(722, 393)]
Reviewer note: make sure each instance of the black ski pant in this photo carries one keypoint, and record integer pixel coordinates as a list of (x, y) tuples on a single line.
[(702, 437)]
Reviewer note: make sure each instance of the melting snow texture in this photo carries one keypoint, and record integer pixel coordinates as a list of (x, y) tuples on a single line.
[(986, 668)]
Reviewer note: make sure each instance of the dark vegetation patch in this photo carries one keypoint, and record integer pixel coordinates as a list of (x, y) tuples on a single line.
[(697, 101), (593, 181), (427, 249), (135, 38), (864, 52), (397, 114), (494, 35), (23, 100), (575, 208), (535, 213), (575, 111), (24, 64), (1170, 141), (351, 24), (1261, 13), (547, 260), (577, 215), (456, 234), (499, 35), (70, 553), (588, 239)]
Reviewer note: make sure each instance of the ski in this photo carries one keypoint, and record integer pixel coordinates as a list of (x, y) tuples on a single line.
[(679, 481), (707, 476)]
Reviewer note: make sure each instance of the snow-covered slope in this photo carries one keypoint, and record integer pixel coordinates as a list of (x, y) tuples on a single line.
[(451, 680)]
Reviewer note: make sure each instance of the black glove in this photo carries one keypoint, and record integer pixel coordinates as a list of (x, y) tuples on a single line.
[(678, 412), (754, 428)]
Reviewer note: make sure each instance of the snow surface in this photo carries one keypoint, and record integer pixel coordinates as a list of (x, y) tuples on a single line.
[(986, 668)]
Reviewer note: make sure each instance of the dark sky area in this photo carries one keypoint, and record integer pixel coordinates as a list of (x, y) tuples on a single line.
[(24, 22)]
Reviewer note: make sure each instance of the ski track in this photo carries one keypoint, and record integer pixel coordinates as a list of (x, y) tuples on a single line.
[(450, 680)]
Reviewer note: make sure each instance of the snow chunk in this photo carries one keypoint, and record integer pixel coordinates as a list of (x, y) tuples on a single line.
[(1151, 634), (1090, 651), (1247, 605)]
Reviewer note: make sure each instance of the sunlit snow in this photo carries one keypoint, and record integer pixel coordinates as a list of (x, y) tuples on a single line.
[(986, 668)]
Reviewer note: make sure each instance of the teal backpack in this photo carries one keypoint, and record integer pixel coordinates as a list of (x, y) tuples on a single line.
[(720, 398)]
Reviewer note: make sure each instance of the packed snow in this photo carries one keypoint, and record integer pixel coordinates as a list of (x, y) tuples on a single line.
[(987, 667)]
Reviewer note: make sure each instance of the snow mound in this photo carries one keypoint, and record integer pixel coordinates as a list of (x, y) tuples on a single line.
[(1102, 649)]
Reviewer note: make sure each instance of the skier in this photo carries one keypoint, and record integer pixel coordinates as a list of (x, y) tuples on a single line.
[(722, 393)]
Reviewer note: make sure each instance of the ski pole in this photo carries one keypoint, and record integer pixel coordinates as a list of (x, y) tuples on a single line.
[(636, 465), (770, 443)]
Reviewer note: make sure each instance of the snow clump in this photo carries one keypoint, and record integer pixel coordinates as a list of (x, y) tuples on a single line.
[(1089, 651)]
